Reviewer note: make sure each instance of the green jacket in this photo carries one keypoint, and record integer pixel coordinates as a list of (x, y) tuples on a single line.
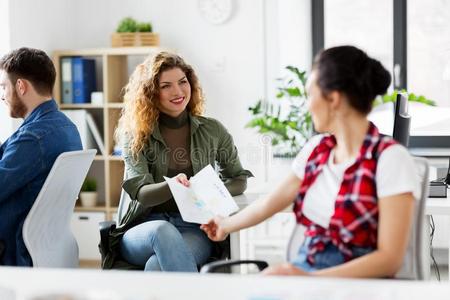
[(210, 143)]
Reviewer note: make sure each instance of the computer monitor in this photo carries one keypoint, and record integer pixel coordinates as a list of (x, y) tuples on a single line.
[(402, 120)]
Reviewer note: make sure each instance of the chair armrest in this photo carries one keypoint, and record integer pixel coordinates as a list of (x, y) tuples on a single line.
[(214, 266), (106, 225)]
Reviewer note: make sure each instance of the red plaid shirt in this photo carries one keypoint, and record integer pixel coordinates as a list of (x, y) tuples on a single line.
[(355, 218)]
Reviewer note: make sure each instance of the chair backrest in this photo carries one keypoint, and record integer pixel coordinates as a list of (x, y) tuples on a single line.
[(46, 230), (123, 203), (295, 242), (416, 257), (415, 260)]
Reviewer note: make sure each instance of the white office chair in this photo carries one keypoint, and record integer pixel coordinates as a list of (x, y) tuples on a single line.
[(415, 260), (46, 230)]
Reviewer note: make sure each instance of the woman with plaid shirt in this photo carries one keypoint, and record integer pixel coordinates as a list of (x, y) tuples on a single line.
[(352, 187)]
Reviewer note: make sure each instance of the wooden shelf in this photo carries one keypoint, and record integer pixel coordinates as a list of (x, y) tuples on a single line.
[(115, 105), (112, 68), (90, 209), (80, 106), (115, 158), (120, 51), (90, 264)]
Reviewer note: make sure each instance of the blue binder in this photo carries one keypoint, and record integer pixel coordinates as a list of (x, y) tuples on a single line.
[(83, 79)]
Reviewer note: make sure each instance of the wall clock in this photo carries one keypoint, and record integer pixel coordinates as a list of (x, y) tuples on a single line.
[(216, 11)]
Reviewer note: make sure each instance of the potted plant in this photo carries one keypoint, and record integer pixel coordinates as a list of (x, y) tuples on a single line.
[(131, 33), (387, 98), (286, 119), (88, 194)]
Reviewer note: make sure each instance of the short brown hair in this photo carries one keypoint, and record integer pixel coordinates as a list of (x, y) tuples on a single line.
[(30, 64)]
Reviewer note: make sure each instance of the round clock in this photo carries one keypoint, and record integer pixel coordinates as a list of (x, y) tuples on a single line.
[(216, 11)]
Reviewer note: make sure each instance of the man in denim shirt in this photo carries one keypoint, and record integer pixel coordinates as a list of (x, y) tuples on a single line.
[(27, 77)]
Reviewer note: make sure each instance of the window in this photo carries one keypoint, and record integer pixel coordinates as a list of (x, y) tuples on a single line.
[(428, 32), (367, 25), (414, 34)]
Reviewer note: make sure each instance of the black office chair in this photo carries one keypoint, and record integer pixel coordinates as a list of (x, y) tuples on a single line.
[(220, 251)]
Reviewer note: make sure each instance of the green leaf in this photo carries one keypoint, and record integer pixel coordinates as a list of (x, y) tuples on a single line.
[(89, 185), (285, 118), (127, 25), (293, 92), (411, 97), (144, 27)]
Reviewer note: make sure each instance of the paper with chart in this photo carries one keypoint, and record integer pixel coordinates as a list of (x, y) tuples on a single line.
[(206, 197)]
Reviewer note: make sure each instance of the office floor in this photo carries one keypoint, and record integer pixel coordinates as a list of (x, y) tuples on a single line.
[(443, 272)]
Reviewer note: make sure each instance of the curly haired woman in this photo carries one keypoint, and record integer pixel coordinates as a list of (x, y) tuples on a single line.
[(163, 134)]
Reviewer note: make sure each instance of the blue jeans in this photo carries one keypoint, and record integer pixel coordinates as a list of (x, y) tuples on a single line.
[(166, 243), (329, 257)]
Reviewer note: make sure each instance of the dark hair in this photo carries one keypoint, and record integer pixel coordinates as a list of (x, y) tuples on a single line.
[(30, 64), (349, 70)]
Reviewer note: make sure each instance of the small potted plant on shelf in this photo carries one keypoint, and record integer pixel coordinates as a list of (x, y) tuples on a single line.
[(88, 194), (131, 33)]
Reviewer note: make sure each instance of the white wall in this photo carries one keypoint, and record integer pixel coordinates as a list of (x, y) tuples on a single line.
[(4, 26), (237, 46), (39, 24), (43, 24), (237, 62), (6, 125)]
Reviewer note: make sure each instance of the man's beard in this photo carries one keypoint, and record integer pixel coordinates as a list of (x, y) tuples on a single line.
[(17, 109)]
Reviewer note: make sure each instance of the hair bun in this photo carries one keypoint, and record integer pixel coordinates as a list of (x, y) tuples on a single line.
[(380, 78), (350, 70)]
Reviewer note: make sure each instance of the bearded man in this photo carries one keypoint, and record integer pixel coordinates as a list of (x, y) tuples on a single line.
[(27, 77)]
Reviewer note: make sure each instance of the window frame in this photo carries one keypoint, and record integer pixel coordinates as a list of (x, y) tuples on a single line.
[(399, 37)]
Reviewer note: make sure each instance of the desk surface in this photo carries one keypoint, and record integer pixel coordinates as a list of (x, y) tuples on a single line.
[(438, 206), (80, 284), (248, 197), (430, 152)]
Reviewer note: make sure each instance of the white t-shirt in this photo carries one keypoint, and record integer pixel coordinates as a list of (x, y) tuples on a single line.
[(395, 174)]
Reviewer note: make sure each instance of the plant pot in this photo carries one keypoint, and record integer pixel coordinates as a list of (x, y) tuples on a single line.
[(134, 39), (88, 199)]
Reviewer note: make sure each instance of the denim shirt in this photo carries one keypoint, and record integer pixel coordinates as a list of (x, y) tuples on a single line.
[(26, 158)]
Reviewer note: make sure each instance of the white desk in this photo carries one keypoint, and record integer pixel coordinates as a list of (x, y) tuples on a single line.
[(242, 201), (29, 284), (439, 206)]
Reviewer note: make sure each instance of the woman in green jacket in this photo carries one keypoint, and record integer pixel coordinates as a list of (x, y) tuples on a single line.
[(163, 134)]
